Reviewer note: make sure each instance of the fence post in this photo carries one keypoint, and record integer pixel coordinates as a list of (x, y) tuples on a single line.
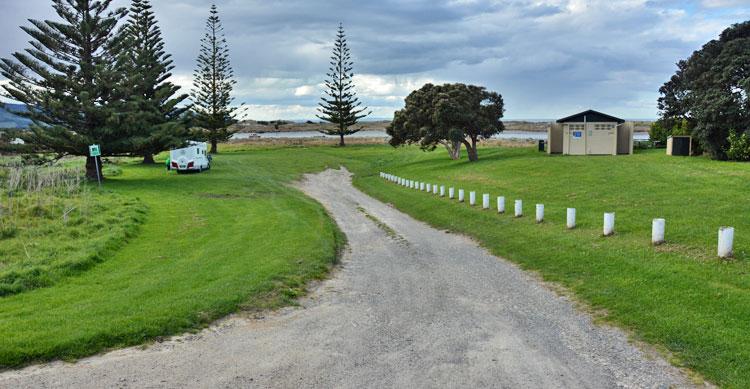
[(609, 223), (571, 219), (501, 204), (726, 241), (657, 231)]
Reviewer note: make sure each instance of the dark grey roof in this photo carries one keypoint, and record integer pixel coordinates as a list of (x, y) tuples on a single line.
[(590, 116)]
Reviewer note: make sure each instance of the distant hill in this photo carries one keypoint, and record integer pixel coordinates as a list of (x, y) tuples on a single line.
[(9, 120)]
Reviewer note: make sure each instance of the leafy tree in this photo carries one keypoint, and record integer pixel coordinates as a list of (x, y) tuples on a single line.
[(341, 106), (710, 90), (212, 85), (450, 115), (150, 113), (69, 78)]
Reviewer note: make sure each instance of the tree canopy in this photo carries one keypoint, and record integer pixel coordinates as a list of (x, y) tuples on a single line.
[(710, 90), (213, 81), (151, 114), (450, 115), (69, 80), (341, 107)]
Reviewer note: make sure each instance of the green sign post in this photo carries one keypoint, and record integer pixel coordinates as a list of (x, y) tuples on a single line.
[(95, 152)]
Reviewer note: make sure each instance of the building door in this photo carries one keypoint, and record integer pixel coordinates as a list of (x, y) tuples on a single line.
[(576, 139), (601, 139)]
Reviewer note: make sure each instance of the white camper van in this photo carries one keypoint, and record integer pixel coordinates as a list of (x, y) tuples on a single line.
[(194, 157)]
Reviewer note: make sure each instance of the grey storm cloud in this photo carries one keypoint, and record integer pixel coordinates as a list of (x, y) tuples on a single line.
[(547, 57)]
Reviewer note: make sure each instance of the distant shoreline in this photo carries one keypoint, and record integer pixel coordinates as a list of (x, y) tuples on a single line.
[(263, 127)]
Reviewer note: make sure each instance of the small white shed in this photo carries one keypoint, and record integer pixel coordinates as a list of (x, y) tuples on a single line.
[(590, 133)]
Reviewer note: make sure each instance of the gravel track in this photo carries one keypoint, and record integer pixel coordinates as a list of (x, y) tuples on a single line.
[(411, 306)]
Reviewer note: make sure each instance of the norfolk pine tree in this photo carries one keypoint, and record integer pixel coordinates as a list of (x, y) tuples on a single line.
[(68, 79), (150, 114), (213, 82), (341, 107)]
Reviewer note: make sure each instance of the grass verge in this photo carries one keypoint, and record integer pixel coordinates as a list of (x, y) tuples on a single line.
[(235, 237), (677, 295)]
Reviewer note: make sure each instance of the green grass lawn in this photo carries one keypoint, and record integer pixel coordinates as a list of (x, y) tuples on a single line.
[(234, 237), (47, 236), (238, 236), (678, 296)]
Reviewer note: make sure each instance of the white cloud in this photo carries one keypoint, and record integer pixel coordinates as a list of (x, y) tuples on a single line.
[(306, 90)]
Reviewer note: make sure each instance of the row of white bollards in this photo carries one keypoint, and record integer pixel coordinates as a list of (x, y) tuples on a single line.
[(658, 226)]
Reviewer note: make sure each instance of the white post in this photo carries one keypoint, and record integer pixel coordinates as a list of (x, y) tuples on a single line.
[(519, 208), (451, 193), (421, 186), (609, 223), (411, 184), (486, 201), (726, 241), (571, 219), (460, 195), (428, 188), (539, 213), (442, 190), (657, 231), (472, 198), (501, 204), (434, 189)]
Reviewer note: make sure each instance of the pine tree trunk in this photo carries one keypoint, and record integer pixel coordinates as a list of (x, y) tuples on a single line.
[(91, 165), (148, 159), (214, 149), (341, 141)]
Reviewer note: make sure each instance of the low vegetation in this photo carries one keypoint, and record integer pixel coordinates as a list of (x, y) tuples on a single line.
[(51, 226), (238, 238), (678, 296), (210, 244)]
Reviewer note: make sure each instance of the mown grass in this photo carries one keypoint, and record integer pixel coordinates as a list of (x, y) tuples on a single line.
[(238, 237), (678, 296), (45, 237), (235, 237)]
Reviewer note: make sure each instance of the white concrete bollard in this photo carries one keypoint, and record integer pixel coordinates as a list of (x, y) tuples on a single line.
[(428, 188), (519, 208), (451, 193), (657, 231), (609, 223), (501, 204), (434, 189), (726, 242), (460, 195), (442, 190), (472, 198), (486, 201), (421, 186), (539, 213), (411, 184), (570, 221)]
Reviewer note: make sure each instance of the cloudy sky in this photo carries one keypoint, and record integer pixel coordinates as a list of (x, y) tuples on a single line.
[(548, 58)]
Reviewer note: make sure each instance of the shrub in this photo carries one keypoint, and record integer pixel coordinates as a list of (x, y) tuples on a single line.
[(658, 133), (739, 146)]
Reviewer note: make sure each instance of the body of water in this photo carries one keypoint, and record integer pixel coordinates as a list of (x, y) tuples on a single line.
[(533, 135)]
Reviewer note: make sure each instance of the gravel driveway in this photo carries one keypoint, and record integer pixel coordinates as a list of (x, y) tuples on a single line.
[(411, 306)]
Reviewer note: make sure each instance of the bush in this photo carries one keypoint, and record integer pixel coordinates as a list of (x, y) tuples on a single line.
[(658, 133), (739, 146)]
